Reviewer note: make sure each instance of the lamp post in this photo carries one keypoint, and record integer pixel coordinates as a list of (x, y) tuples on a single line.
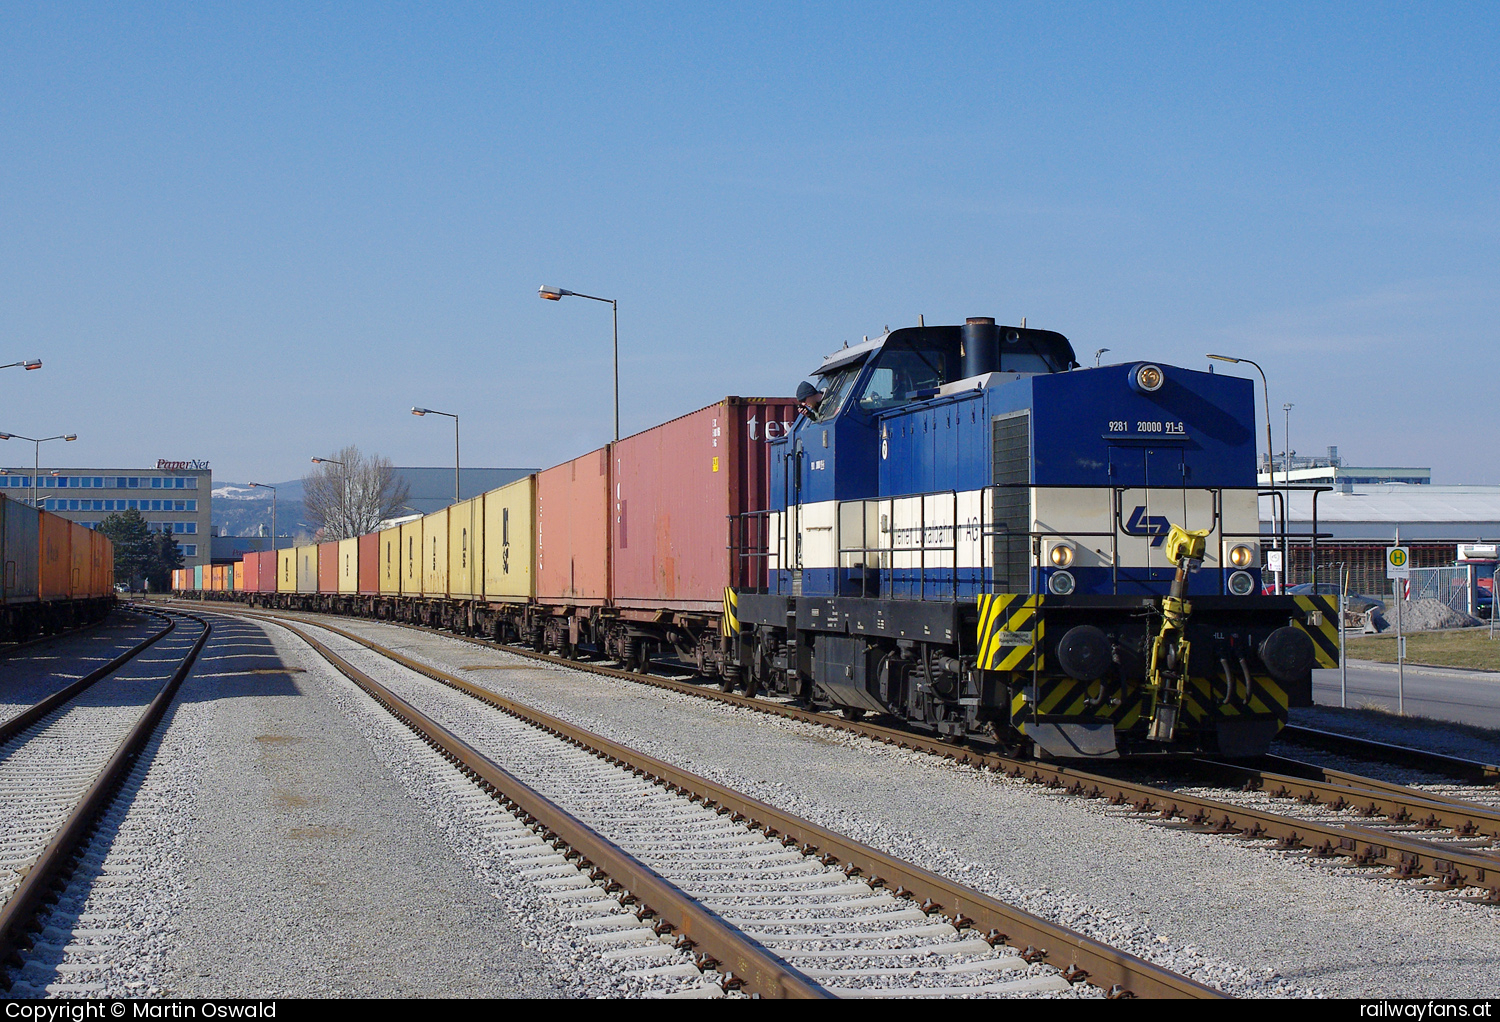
[(273, 511), (1286, 464), (1098, 355), (28, 364), (434, 411), (343, 485), (1270, 468), (36, 460), (557, 294)]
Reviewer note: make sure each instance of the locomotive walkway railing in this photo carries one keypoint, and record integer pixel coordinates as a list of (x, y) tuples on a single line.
[(762, 541)]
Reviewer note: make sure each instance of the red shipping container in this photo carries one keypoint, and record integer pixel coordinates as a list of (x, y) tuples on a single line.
[(260, 572), (676, 487), (328, 567), (572, 531), (367, 581)]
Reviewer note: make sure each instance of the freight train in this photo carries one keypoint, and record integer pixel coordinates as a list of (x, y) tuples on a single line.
[(54, 574), (957, 526)]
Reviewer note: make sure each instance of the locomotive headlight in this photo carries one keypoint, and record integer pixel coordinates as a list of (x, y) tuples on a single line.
[(1241, 556), (1061, 583), (1241, 584), (1062, 555), (1147, 378)]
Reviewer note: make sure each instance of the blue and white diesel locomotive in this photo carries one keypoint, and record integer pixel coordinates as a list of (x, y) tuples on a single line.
[(969, 531)]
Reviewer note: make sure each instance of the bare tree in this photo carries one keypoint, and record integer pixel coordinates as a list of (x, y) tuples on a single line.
[(349, 494)]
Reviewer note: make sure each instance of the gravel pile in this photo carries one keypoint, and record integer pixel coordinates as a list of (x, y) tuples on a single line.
[(1423, 615), (1230, 913)]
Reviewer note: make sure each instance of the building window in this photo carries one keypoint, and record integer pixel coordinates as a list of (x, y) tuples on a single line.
[(192, 482), (156, 482), (190, 550), (132, 482)]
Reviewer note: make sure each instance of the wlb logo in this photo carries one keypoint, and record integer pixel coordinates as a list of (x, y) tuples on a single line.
[(1155, 526)]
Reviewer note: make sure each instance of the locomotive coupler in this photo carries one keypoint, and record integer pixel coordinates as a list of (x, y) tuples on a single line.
[(1168, 672)]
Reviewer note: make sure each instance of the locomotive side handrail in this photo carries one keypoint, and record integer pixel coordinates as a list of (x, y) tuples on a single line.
[(743, 548)]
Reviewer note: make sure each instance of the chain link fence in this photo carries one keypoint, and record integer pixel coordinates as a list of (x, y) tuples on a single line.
[(1451, 587)]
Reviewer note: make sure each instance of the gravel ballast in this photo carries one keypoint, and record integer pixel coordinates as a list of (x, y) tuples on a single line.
[(33, 673), (1231, 913)]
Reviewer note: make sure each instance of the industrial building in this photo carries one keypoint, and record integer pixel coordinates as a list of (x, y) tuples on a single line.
[(1361, 520), (175, 496)]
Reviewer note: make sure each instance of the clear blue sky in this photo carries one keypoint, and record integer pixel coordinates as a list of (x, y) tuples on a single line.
[(253, 233)]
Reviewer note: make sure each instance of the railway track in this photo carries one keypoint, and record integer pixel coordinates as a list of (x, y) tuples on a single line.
[(62, 760), (765, 901), (1466, 770), (1447, 861)]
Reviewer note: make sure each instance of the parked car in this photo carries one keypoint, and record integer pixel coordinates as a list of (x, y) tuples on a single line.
[(1356, 602)]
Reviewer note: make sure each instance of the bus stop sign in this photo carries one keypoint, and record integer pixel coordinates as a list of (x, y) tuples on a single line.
[(1397, 562)]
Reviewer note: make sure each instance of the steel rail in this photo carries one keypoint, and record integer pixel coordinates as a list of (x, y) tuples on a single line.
[(747, 961), (21, 721), (1407, 857), (11, 648), (1074, 954), (55, 861), (1316, 771), (1385, 752), (1427, 810)]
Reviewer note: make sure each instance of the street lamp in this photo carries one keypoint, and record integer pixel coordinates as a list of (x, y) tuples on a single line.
[(28, 364), (273, 510), (1286, 465), (344, 486), (1270, 468), (434, 411), (557, 294), (37, 454), (1098, 355)]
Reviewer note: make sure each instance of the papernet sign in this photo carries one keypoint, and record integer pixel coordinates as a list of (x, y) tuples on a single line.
[(181, 466)]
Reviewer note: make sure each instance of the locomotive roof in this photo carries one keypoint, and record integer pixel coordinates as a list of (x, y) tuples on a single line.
[(857, 352)]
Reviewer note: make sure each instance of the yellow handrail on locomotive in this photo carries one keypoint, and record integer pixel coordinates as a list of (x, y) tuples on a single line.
[(1167, 676)]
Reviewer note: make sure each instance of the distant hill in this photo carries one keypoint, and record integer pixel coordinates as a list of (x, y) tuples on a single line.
[(240, 510)]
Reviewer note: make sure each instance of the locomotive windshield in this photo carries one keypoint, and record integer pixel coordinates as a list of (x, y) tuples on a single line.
[(834, 387), (907, 365)]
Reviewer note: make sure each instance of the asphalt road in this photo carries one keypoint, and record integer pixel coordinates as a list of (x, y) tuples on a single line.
[(1445, 693)]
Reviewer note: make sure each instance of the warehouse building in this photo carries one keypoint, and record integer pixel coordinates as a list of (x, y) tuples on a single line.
[(1360, 521), (175, 496)]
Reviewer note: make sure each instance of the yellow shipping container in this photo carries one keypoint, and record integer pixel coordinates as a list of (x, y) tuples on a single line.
[(390, 560), (435, 554), (307, 568), (349, 565), (240, 570), (286, 570), (510, 541), (411, 558), (466, 549)]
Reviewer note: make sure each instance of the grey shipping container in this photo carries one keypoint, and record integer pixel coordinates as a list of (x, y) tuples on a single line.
[(19, 544)]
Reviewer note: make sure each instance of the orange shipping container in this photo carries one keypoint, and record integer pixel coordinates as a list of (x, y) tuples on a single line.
[(572, 531), (83, 561)]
